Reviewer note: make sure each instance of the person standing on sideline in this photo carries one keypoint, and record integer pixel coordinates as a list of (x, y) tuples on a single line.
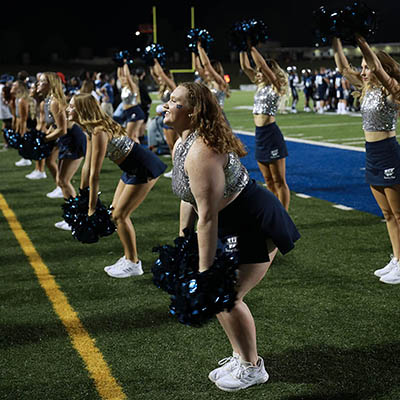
[(213, 184), (379, 83), (271, 150)]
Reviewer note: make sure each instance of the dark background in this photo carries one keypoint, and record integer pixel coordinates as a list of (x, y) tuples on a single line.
[(55, 33)]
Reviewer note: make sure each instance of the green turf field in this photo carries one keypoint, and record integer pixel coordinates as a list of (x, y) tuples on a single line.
[(327, 328)]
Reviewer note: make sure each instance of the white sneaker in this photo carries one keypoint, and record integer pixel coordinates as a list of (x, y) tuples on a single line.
[(168, 174), (393, 277), (228, 365), (125, 269), (116, 264), (63, 225), (244, 376), (23, 163), (388, 268), (56, 193), (36, 174)]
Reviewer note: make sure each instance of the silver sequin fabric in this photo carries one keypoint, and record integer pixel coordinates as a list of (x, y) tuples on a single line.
[(128, 98), (119, 147), (266, 101), (236, 175), (48, 116), (378, 113), (220, 96)]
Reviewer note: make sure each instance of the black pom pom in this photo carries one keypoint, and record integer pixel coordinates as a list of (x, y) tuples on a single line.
[(196, 35), (84, 228), (154, 51), (33, 147), (12, 138), (122, 57), (196, 297)]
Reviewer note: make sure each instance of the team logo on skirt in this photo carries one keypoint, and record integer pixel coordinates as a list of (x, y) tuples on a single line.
[(389, 173), (275, 153)]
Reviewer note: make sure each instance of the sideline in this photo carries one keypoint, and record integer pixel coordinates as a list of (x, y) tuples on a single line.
[(105, 383)]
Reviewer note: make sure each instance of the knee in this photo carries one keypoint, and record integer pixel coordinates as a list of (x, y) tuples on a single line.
[(118, 216)]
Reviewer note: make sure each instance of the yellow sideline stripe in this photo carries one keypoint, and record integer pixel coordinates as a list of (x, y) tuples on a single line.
[(105, 383)]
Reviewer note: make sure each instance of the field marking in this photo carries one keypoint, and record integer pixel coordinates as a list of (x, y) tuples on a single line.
[(311, 142), (105, 383)]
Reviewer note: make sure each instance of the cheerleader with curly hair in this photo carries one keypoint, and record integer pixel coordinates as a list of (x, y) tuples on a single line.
[(215, 189)]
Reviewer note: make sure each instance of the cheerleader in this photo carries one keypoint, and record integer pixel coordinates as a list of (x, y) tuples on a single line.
[(71, 140), (271, 149), (141, 170), (20, 94), (209, 178), (166, 86), (39, 171), (212, 73), (379, 83), (132, 114)]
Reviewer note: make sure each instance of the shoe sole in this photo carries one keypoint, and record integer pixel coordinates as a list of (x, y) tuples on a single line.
[(123, 276), (259, 382)]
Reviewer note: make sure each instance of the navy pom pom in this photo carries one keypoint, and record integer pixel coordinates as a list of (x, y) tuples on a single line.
[(87, 229), (196, 35), (32, 146), (154, 51), (344, 23), (196, 297), (12, 138), (243, 33), (122, 57)]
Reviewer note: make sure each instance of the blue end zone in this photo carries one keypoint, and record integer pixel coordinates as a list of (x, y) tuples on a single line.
[(327, 173)]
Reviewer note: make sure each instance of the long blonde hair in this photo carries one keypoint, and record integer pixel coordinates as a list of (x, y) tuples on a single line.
[(56, 89), (91, 116), (390, 66), (208, 120), (280, 74)]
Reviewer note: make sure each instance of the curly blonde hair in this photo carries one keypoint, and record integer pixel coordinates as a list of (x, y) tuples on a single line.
[(209, 121), (91, 117)]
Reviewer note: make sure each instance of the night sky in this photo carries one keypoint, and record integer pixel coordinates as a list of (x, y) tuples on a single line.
[(43, 30)]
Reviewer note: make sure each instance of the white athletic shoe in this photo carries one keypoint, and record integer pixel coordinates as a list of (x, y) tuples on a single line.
[(23, 163), (36, 174), (116, 264), (244, 376), (228, 365), (63, 225), (393, 277), (388, 268), (125, 269), (168, 174), (56, 193)]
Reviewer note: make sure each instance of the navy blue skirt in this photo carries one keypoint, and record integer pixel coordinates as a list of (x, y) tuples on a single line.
[(253, 217), (141, 165), (383, 162), (270, 143), (73, 144)]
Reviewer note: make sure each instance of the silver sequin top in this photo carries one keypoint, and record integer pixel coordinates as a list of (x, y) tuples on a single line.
[(48, 116), (236, 175), (220, 95), (119, 147), (378, 113), (266, 101), (128, 98)]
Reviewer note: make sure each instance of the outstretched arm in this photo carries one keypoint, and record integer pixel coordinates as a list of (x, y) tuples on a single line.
[(159, 71), (375, 66), (343, 65), (207, 65), (246, 66), (263, 66)]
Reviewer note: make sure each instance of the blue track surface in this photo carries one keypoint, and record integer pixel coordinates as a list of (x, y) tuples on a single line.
[(327, 173)]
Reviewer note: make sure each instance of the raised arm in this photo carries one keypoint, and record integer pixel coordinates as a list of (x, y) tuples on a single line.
[(343, 65), (159, 71), (246, 66), (375, 66), (263, 66), (207, 65)]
